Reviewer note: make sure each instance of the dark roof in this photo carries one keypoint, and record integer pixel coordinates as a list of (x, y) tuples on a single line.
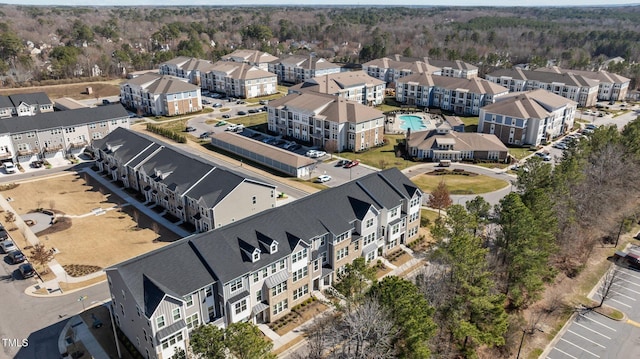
[(153, 294), (127, 143), (62, 119), (39, 98), (177, 171), (214, 187), (199, 260), (5, 102)]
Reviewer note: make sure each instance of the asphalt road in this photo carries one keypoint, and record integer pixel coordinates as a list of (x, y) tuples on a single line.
[(36, 322)]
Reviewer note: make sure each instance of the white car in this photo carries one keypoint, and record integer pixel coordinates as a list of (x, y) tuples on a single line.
[(9, 167), (323, 178), (7, 246)]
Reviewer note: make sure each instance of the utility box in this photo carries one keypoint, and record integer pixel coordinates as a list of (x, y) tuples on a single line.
[(89, 90)]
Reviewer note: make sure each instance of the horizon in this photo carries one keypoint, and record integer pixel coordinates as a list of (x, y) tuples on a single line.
[(328, 3)]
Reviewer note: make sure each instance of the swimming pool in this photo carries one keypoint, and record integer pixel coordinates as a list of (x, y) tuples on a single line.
[(415, 123)]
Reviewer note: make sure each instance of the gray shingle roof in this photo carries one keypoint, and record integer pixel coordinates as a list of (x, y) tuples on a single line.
[(61, 119), (39, 98), (199, 260)]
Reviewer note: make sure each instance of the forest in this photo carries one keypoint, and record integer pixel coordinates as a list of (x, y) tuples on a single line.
[(50, 43)]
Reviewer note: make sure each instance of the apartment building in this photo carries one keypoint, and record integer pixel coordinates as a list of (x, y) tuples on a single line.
[(390, 69), (258, 268), (160, 95), (444, 144), (57, 134), (28, 104), (528, 118), (459, 95), (187, 68), (352, 85), (259, 59), (326, 121), (297, 69), (191, 190), (611, 87), (578, 88), (240, 80)]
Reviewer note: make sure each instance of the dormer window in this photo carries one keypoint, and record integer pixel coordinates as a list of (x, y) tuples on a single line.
[(273, 248), (255, 255)]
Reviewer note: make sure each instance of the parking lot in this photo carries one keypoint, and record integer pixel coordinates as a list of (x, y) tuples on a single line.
[(592, 335)]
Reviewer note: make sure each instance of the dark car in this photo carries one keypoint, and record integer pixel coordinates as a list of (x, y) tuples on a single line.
[(27, 270), (253, 110), (241, 113), (16, 257), (217, 104), (190, 129), (204, 135), (226, 116), (341, 163), (39, 163), (106, 102), (351, 164)]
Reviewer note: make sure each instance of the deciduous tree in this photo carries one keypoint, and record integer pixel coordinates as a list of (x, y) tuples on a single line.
[(440, 198), (41, 256), (245, 341)]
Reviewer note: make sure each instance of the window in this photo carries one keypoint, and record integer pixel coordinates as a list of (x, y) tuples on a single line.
[(241, 306), (369, 223), (193, 321), (300, 292), (299, 256), (394, 212), (160, 322), (176, 314), (256, 256), (256, 277), (208, 291), (356, 245), (172, 340), (138, 311), (316, 265), (300, 273), (282, 264), (189, 300), (279, 288), (395, 229), (122, 309), (253, 199), (259, 295), (369, 238), (279, 307), (144, 332), (274, 247), (342, 253), (342, 237), (236, 285)]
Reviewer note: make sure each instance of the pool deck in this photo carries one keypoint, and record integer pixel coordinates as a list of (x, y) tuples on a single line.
[(393, 126)]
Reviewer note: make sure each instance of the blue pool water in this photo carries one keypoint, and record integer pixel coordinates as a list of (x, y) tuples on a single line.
[(414, 123)]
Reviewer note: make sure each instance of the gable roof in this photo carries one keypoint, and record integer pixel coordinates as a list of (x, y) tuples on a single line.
[(251, 56), (474, 85), (189, 63), (307, 62), (545, 77), (170, 85), (336, 109), (334, 83), (34, 98), (61, 119), (240, 71), (463, 141), (199, 260), (600, 76)]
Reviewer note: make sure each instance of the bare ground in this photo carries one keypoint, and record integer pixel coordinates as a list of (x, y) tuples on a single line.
[(76, 91), (99, 240)]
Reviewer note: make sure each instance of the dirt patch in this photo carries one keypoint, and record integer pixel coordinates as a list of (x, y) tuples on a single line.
[(298, 315), (102, 240), (78, 270), (75, 91)]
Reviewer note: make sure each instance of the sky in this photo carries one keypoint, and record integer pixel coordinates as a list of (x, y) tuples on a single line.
[(579, 3)]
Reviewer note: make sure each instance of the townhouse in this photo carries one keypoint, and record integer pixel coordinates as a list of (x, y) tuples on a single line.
[(57, 134), (191, 190), (160, 95), (28, 104), (528, 118), (458, 95), (578, 88), (258, 268), (444, 144), (330, 122), (187, 68), (611, 87), (297, 69), (390, 69), (239, 80), (259, 59), (352, 85)]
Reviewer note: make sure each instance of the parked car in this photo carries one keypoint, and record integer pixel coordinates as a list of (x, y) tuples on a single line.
[(204, 135), (253, 110), (591, 126), (239, 128), (40, 163), (106, 102), (16, 257), (27, 271), (7, 246), (352, 164), (310, 153), (323, 178), (231, 127), (240, 102), (221, 123), (295, 147), (342, 163), (241, 113), (315, 153), (217, 104), (189, 129), (264, 102), (226, 116), (9, 167)]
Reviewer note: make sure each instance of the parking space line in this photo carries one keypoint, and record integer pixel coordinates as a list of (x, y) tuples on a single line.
[(630, 275), (563, 352), (597, 322), (579, 347), (619, 302), (628, 281), (620, 294), (591, 330), (587, 339), (630, 290)]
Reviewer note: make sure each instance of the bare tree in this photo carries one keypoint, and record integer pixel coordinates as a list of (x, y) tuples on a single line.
[(52, 204), (41, 256), (440, 198), (610, 278), (136, 217), (10, 217), (156, 228)]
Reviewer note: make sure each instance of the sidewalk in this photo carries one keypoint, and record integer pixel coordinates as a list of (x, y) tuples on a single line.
[(80, 333)]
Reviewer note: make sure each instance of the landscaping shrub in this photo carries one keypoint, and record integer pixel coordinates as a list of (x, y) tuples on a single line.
[(170, 134)]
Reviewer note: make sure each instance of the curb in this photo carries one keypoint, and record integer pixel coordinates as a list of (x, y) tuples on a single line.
[(29, 290)]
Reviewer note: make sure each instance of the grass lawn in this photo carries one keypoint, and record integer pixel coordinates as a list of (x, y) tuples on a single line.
[(470, 123), (380, 156), (268, 98), (521, 152), (389, 104), (459, 184), (185, 116)]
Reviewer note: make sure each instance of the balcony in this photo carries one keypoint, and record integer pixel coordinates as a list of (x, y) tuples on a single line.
[(76, 145), (52, 149), (6, 155), (28, 152)]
